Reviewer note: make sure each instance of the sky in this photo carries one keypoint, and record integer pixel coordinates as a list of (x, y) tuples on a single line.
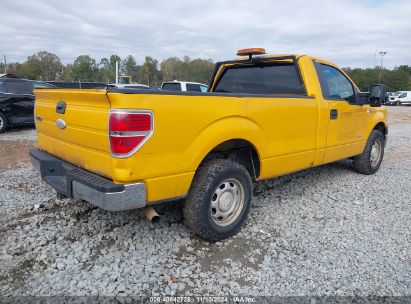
[(349, 33)]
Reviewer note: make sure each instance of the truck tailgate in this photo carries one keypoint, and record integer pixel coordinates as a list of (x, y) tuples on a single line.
[(73, 125)]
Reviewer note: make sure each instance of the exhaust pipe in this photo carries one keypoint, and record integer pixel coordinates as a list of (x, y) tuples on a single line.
[(151, 214)]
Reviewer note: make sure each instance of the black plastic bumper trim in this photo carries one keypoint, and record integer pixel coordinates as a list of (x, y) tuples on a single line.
[(60, 174)]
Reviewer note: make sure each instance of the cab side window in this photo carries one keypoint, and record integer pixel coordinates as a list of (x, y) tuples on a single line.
[(18, 87), (334, 84)]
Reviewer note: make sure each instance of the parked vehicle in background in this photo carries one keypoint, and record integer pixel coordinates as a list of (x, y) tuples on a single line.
[(78, 84), (8, 75), (387, 97), (184, 86), (17, 101), (41, 85), (129, 86), (262, 117), (390, 101), (400, 98)]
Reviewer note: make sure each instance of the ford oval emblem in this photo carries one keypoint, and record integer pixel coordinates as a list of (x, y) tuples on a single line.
[(61, 124)]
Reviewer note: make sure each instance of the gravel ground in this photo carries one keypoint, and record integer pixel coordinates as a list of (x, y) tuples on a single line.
[(323, 231)]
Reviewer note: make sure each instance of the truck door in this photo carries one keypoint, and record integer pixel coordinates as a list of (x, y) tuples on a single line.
[(405, 98), (20, 101), (347, 120), (277, 101)]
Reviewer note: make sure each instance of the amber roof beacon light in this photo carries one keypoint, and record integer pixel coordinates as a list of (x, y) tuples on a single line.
[(250, 52)]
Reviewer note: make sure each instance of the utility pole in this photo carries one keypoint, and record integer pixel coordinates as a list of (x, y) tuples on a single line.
[(5, 64), (375, 59), (116, 72), (382, 53)]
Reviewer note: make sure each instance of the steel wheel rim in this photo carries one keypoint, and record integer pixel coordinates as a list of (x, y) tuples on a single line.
[(1, 123), (227, 202), (376, 151)]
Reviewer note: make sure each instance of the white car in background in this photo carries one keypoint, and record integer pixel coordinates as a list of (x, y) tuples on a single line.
[(400, 98), (184, 86)]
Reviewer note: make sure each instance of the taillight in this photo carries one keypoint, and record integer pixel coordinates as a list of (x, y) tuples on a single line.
[(128, 131)]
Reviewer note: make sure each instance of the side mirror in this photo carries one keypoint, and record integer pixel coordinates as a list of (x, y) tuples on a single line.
[(377, 95)]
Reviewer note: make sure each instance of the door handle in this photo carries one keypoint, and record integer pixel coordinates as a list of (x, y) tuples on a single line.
[(333, 114)]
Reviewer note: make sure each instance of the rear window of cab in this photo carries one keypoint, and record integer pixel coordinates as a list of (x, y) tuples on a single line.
[(171, 86), (194, 87), (260, 78)]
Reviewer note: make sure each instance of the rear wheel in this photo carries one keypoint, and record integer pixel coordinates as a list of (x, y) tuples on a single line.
[(370, 160), (219, 199), (3, 123)]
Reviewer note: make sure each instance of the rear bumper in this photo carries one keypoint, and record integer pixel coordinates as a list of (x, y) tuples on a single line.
[(80, 184)]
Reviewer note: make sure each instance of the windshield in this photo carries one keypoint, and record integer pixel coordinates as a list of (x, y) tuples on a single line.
[(397, 93)]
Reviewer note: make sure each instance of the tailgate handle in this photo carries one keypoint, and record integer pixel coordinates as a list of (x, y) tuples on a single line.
[(61, 107)]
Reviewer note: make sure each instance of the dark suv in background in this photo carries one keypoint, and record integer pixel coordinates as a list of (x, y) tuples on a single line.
[(17, 101)]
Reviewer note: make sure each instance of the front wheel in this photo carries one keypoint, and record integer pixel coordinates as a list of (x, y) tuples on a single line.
[(398, 103), (219, 199), (370, 160), (3, 123)]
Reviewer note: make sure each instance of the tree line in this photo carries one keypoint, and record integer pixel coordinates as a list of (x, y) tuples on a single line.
[(397, 79), (47, 66)]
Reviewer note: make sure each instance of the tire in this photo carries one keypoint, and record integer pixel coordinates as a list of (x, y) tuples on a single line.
[(370, 160), (398, 103), (219, 199), (3, 122)]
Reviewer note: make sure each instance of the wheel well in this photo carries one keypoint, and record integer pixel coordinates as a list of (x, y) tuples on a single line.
[(7, 119), (238, 150), (381, 127)]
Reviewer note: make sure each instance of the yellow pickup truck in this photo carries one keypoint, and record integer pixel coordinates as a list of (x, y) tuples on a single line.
[(264, 116)]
